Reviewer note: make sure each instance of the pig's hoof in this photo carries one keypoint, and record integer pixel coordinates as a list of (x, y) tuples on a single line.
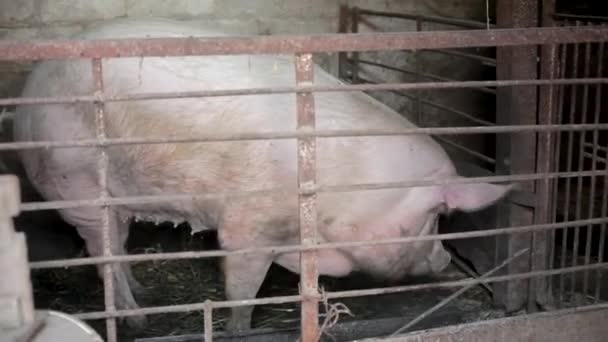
[(137, 323)]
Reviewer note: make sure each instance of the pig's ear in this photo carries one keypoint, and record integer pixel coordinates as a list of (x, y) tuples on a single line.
[(473, 197)]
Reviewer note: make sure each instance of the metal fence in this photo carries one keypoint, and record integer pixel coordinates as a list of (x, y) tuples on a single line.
[(303, 47)]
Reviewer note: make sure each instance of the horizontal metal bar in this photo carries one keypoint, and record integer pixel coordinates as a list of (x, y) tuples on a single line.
[(596, 158), (150, 199), (333, 295), (24, 145), (434, 104), (483, 59), (467, 150), (598, 147), (457, 112), (425, 75), (424, 18), (299, 248), (296, 89), (580, 17), (341, 42)]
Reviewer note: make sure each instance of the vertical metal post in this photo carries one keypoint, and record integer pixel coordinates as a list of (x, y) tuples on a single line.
[(108, 278), (543, 242), (354, 70), (417, 103), (208, 320), (343, 21), (307, 201), (515, 106)]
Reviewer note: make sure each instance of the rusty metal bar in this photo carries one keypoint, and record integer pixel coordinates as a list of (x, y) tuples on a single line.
[(333, 295), (424, 18), (296, 89), (307, 163), (102, 168), (150, 199), (303, 134), (298, 248), (326, 43)]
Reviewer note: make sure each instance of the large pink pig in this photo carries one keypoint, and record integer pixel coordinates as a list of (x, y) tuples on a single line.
[(206, 168)]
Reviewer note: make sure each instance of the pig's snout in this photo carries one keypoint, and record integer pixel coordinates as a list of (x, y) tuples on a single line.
[(439, 258), (434, 262)]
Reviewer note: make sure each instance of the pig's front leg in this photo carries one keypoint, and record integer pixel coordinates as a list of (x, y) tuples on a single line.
[(243, 276)]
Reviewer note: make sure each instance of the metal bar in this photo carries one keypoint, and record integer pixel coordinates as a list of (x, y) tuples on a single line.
[(581, 166), (456, 294), (542, 244), (208, 320), (484, 60), (307, 163), (343, 21), (296, 89), (303, 134), (515, 153), (416, 105), (570, 135), (424, 18), (604, 209), (594, 161), (580, 17), (597, 148), (467, 150), (163, 47), (581, 160), (437, 105), (102, 168), (298, 248), (558, 143), (333, 295), (417, 74), (150, 199), (354, 61)]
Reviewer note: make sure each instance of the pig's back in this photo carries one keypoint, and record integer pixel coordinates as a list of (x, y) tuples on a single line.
[(242, 164)]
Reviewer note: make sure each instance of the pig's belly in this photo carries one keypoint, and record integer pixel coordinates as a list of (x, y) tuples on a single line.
[(330, 263)]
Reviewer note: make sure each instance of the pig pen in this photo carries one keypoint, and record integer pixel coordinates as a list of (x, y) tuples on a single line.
[(77, 290)]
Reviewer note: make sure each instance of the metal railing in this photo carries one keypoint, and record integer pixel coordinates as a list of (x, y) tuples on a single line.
[(302, 47)]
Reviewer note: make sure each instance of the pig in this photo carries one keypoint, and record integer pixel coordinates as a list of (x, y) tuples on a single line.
[(210, 167)]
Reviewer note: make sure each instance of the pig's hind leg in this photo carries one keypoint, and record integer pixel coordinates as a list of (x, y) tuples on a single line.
[(243, 273)]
